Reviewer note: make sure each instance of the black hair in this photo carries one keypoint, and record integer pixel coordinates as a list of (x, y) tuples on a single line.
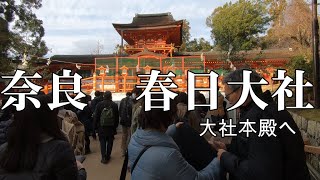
[(237, 76), (128, 94), (97, 93), (41, 93), (88, 98), (107, 95), (85, 99), (137, 91), (24, 135), (156, 117), (199, 97), (182, 98)]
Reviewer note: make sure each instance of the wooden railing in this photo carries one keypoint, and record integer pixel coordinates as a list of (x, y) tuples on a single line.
[(312, 150), (148, 46)]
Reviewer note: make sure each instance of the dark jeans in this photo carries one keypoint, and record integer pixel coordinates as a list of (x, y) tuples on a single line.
[(106, 137), (87, 140)]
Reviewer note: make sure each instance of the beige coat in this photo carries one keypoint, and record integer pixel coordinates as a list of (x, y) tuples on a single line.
[(74, 130)]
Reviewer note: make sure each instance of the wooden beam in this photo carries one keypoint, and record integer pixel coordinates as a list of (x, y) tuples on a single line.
[(312, 149), (148, 28)]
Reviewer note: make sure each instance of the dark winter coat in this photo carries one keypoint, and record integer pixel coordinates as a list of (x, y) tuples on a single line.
[(125, 111), (95, 102), (56, 161), (97, 115), (194, 148), (266, 158), (4, 126), (85, 117)]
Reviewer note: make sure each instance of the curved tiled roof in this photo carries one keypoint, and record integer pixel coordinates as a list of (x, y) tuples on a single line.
[(150, 20), (85, 59), (152, 23)]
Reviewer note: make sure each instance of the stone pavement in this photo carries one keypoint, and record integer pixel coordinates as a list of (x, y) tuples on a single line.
[(111, 171)]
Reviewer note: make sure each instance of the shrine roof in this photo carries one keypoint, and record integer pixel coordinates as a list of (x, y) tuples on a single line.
[(80, 58), (150, 20), (151, 25), (85, 59)]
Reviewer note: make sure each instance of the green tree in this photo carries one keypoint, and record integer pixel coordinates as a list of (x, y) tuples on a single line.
[(303, 63), (24, 39), (185, 35), (236, 26), (197, 45)]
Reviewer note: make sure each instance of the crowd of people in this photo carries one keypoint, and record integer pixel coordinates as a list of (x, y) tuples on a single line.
[(157, 144)]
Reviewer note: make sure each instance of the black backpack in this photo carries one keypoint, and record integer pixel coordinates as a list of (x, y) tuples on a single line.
[(126, 112)]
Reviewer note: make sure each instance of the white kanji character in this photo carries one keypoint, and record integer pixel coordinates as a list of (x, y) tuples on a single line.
[(213, 90), (247, 89), (76, 83), (207, 127), (267, 126), (287, 125), (224, 129), (34, 90), (283, 90), (152, 87), (247, 127)]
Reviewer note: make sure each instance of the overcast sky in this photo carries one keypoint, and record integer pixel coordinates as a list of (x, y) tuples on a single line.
[(75, 26)]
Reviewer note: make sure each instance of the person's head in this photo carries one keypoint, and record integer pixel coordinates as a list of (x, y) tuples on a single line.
[(128, 94), (41, 93), (107, 95), (182, 98), (24, 134), (200, 98), (88, 98), (156, 118), (85, 99), (233, 91), (97, 94), (136, 92)]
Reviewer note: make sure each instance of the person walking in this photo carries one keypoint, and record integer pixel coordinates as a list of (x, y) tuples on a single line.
[(106, 120), (95, 101), (85, 117), (136, 108), (125, 112)]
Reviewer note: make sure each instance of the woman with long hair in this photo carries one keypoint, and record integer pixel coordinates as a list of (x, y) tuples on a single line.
[(37, 148)]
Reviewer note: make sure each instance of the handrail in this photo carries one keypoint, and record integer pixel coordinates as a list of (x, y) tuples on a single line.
[(88, 78), (313, 172), (312, 149), (153, 45)]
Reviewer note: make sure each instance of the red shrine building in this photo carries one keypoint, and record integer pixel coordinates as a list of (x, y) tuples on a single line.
[(158, 33), (152, 41)]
